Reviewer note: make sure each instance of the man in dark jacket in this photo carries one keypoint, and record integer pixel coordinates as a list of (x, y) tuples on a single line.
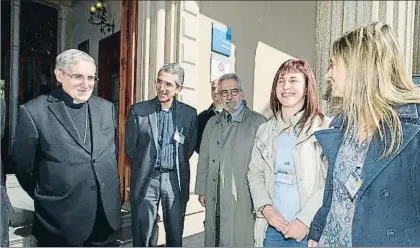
[(204, 116), (160, 139), (65, 156)]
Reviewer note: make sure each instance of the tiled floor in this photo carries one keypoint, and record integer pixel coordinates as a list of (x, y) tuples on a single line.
[(196, 240)]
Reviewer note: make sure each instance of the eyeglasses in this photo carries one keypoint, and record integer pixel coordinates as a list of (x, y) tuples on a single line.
[(233, 92), (78, 78)]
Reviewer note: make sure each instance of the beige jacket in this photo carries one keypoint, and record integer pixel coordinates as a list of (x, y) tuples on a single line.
[(228, 147), (310, 166)]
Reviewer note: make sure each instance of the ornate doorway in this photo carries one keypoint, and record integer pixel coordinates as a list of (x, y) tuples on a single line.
[(38, 49)]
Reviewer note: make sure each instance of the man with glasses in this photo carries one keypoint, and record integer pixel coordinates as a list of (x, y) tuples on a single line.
[(221, 182), (65, 157), (160, 139), (214, 109)]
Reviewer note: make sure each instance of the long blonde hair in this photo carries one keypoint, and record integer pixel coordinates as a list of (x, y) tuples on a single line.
[(376, 81)]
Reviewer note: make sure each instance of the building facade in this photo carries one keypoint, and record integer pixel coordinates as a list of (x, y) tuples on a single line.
[(259, 36), (251, 38)]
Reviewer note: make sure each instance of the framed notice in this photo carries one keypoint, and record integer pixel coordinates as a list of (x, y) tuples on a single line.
[(219, 65)]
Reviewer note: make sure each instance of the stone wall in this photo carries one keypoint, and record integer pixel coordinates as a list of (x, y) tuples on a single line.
[(336, 17)]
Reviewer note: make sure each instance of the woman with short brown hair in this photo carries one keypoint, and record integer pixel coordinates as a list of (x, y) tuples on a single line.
[(286, 172)]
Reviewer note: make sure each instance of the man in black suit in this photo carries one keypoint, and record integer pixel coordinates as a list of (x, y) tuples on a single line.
[(65, 156), (214, 109), (160, 139)]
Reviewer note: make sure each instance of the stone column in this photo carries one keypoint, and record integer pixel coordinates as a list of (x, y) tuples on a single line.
[(63, 13), (151, 46), (160, 33), (14, 68), (416, 40), (168, 32), (171, 31), (336, 17), (143, 51), (1, 76)]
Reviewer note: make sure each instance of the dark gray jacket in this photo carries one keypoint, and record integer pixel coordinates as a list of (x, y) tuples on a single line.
[(58, 171), (141, 145), (6, 207), (2, 126), (387, 211)]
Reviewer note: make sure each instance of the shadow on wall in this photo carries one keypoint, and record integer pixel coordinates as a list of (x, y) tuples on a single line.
[(287, 26), (267, 61)]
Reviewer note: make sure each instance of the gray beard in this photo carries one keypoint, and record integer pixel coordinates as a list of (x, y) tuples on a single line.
[(231, 109)]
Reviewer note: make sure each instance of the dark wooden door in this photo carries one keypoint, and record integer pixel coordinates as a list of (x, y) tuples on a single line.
[(36, 78), (116, 73), (38, 49), (108, 68)]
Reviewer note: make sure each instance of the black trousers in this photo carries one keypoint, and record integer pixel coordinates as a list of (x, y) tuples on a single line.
[(163, 188), (101, 235), (6, 213)]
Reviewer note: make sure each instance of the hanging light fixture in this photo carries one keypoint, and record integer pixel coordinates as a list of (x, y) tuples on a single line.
[(98, 16)]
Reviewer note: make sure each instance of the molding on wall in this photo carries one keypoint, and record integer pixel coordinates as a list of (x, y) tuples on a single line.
[(188, 49)]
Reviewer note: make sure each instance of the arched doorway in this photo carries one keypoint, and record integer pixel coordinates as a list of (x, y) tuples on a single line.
[(38, 49)]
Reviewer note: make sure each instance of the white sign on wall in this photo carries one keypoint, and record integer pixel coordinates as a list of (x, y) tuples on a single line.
[(219, 65)]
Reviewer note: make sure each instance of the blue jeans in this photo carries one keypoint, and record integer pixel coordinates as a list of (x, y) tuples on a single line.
[(274, 238)]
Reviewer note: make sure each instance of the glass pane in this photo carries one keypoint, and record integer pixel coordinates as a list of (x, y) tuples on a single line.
[(45, 78), (28, 77), (38, 31)]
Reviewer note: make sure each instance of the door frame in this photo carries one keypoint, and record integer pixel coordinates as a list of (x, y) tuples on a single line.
[(128, 53)]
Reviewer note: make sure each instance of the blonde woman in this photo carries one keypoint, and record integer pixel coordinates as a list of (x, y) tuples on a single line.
[(286, 172), (372, 192)]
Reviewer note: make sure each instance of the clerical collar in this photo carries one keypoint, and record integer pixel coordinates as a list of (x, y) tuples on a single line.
[(68, 100)]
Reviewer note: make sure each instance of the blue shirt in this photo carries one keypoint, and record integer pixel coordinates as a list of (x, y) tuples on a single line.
[(286, 194), (166, 143)]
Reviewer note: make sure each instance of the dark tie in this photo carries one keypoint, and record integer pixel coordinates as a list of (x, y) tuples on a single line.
[(229, 118)]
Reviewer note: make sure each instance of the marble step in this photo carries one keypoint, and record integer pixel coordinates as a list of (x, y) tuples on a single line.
[(21, 236), (20, 230)]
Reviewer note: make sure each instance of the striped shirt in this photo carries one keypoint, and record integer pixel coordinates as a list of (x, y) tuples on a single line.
[(166, 142)]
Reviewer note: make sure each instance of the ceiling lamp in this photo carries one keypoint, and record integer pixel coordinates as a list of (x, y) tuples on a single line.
[(98, 16)]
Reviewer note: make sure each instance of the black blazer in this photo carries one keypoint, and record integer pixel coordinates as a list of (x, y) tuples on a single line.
[(203, 118), (56, 169), (141, 145)]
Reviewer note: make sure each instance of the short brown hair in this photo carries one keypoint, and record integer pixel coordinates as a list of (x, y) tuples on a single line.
[(311, 105)]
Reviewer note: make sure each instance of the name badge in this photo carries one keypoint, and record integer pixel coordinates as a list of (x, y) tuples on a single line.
[(353, 184), (285, 177), (179, 137)]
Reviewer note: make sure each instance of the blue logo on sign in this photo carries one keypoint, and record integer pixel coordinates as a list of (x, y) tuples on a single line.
[(221, 39)]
